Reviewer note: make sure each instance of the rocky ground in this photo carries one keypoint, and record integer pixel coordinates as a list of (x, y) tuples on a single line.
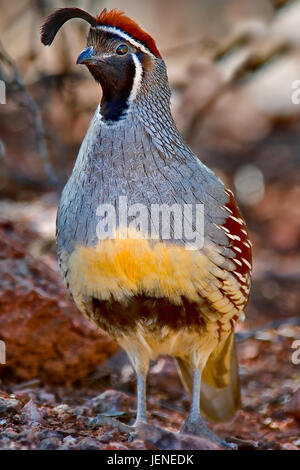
[(35, 416)]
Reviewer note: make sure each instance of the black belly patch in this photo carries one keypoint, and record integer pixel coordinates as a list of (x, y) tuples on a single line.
[(115, 317)]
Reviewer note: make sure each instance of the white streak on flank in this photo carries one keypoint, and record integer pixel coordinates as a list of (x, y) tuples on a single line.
[(236, 248), (121, 34), (239, 221), (137, 78), (227, 209), (237, 261), (233, 237), (240, 276), (245, 289), (246, 263)]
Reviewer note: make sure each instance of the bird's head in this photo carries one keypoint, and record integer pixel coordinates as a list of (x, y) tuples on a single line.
[(119, 55)]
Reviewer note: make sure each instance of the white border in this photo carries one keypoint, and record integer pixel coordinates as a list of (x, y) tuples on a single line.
[(137, 79), (133, 42)]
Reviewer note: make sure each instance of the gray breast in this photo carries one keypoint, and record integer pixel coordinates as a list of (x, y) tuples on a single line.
[(129, 160)]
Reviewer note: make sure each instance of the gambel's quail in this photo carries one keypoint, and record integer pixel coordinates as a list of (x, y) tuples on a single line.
[(151, 244)]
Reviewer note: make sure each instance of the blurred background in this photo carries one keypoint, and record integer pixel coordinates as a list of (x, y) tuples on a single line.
[(231, 66)]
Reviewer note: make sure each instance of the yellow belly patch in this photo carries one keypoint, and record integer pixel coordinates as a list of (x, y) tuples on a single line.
[(122, 268)]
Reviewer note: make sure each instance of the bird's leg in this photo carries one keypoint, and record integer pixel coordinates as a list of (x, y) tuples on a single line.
[(141, 398), (141, 415), (195, 407), (140, 361), (195, 424)]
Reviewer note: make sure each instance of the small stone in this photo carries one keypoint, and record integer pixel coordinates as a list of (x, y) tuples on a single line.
[(31, 414), (250, 350), (80, 411), (116, 446), (10, 433), (110, 401), (8, 406), (69, 439), (51, 443), (45, 397), (69, 442), (106, 437), (268, 421), (41, 434), (293, 405), (5, 443), (157, 438), (82, 421), (288, 446), (62, 409), (71, 431), (16, 419), (138, 444), (89, 444)]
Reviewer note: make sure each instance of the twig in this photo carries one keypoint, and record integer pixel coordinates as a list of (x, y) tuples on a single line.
[(35, 114), (268, 326)]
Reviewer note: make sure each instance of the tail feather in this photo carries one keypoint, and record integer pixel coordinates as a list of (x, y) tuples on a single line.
[(220, 389)]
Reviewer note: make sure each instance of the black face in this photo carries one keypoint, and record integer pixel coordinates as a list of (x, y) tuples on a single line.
[(113, 67), (116, 78)]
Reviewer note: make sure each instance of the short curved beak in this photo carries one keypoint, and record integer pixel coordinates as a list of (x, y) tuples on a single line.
[(86, 56)]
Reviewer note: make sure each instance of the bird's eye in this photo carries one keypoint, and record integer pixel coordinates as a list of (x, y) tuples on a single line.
[(122, 49)]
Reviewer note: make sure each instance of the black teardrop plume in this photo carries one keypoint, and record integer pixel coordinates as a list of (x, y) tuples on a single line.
[(55, 21)]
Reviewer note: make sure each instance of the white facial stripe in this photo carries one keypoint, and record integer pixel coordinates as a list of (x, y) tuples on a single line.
[(121, 34), (134, 91), (137, 78)]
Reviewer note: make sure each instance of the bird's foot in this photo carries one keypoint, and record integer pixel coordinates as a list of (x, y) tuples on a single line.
[(140, 420), (197, 427), (104, 420), (135, 427)]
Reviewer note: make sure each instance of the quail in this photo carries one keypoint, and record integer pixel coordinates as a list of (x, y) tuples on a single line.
[(132, 253)]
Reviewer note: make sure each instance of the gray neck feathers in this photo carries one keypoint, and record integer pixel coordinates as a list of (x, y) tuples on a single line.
[(152, 107)]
